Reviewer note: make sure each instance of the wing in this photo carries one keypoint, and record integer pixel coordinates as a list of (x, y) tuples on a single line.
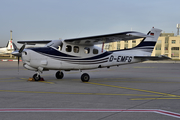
[(93, 40), (34, 42)]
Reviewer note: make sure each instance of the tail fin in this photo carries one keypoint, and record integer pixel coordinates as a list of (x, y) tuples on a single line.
[(147, 44), (11, 45)]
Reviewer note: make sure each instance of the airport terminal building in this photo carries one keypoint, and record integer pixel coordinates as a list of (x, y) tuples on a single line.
[(167, 44)]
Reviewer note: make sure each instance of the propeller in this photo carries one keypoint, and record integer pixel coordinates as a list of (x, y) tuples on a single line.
[(19, 53)]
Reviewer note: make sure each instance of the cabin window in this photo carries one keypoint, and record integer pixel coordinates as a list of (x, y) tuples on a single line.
[(86, 50), (95, 51), (68, 48), (76, 49)]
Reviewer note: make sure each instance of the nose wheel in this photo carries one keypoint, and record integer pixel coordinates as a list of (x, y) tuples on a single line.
[(36, 77), (85, 77)]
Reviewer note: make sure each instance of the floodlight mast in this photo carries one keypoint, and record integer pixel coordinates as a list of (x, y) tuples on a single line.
[(178, 26)]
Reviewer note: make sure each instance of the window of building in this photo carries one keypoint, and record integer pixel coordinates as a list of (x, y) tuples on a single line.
[(95, 51), (158, 47), (166, 40), (86, 50), (159, 41), (107, 46), (118, 45), (68, 48), (175, 52), (175, 48), (76, 49), (134, 41), (126, 46), (173, 41)]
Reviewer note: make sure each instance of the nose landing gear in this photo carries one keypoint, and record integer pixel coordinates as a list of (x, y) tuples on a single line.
[(36, 77)]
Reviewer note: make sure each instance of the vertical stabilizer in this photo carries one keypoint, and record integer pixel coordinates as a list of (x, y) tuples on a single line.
[(147, 44), (10, 45)]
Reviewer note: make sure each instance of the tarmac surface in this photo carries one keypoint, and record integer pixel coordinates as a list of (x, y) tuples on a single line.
[(142, 91)]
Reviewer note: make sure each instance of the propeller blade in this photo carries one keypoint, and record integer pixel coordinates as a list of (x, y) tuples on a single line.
[(18, 61), (22, 48), (18, 53), (18, 64)]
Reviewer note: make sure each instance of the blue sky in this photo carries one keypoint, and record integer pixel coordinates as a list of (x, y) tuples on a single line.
[(54, 19)]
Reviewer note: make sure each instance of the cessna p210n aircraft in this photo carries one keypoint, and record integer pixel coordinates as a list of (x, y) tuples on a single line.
[(82, 54)]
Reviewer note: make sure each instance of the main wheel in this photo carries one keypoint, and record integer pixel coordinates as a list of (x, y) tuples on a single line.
[(85, 77), (36, 77), (59, 75)]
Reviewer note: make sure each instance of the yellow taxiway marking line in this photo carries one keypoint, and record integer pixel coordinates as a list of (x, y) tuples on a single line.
[(134, 89), (11, 81), (155, 98), (132, 81), (24, 78), (6, 78), (46, 82), (80, 93)]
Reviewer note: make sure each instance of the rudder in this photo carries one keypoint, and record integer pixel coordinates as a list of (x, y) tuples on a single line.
[(148, 43)]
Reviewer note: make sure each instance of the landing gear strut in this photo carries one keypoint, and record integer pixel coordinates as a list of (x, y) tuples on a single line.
[(85, 77), (59, 75)]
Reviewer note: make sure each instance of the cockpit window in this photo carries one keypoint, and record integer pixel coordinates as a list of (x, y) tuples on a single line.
[(86, 50), (68, 48), (76, 49)]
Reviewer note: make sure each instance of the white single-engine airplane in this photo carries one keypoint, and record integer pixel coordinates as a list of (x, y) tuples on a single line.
[(82, 54)]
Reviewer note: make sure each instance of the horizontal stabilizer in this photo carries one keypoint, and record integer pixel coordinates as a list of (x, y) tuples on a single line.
[(144, 58)]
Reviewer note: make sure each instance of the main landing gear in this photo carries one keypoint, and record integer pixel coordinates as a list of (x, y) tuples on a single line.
[(59, 75), (84, 77)]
